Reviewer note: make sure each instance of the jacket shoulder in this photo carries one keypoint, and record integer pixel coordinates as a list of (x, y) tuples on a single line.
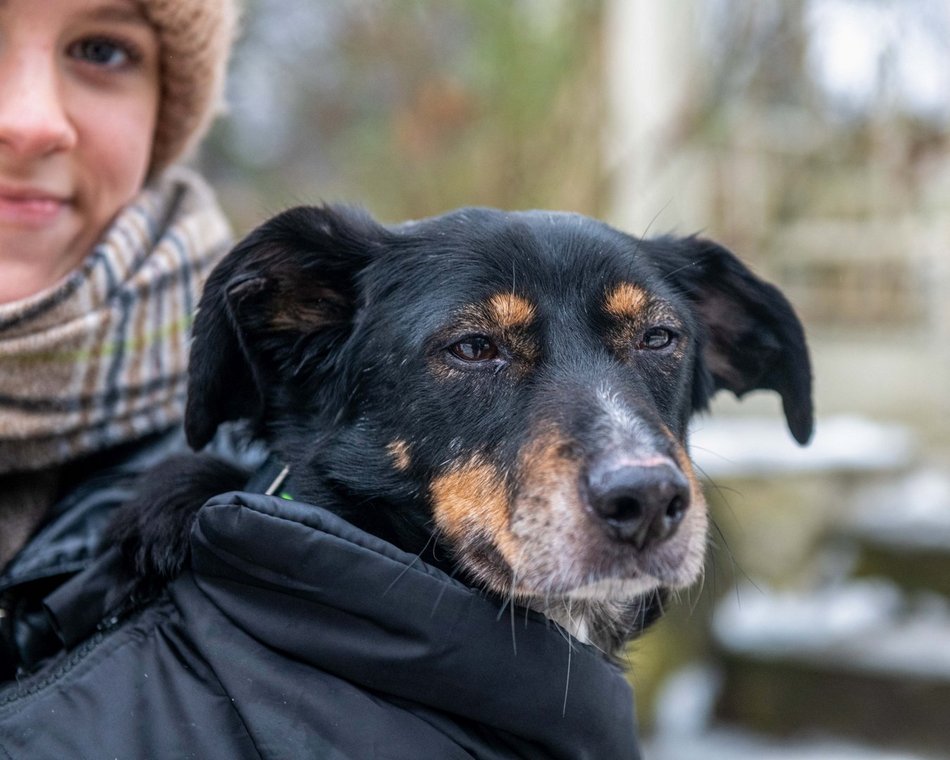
[(137, 682)]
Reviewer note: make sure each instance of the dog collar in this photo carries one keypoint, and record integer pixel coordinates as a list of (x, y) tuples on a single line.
[(277, 482), (271, 479)]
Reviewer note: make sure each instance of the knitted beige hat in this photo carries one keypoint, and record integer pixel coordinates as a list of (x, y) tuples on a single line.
[(194, 39)]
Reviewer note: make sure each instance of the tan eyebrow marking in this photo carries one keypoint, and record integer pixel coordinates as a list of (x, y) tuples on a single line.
[(509, 310), (626, 300)]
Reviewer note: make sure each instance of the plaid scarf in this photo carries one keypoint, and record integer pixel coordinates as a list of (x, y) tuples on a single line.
[(99, 359)]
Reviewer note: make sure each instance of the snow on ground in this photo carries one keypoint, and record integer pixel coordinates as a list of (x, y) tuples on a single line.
[(866, 624), (759, 446), (913, 512)]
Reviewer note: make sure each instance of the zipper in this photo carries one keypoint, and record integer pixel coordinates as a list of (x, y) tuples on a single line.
[(103, 631)]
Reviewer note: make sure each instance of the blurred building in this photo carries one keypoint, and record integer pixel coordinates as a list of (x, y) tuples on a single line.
[(811, 136)]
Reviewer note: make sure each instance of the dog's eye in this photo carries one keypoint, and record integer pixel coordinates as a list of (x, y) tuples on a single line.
[(656, 338), (476, 348)]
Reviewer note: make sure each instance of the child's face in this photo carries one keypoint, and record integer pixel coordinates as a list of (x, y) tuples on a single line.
[(79, 93)]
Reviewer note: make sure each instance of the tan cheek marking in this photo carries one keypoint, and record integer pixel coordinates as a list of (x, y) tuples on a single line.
[(627, 301), (399, 451), (509, 310), (547, 503), (545, 461), (469, 498)]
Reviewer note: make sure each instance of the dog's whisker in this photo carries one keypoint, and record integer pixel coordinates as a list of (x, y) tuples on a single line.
[(736, 565), (720, 489), (646, 230), (407, 568), (501, 610), (676, 271), (399, 577), (664, 207), (431, 541), (438, 600), (567, 679), (700, 587), (659, 604)]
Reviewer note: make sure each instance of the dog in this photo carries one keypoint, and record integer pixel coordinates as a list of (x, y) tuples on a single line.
[(505, 394)]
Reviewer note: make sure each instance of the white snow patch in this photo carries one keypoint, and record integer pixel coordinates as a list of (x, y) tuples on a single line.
[(867, 625), (761, 446), (685, 702), (913, 512)]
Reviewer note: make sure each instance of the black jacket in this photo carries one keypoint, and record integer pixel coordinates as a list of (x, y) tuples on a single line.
[(67, 543), (294, 634), (71, 536)]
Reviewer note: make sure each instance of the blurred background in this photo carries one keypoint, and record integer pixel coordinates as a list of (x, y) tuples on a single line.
[(811, 137)]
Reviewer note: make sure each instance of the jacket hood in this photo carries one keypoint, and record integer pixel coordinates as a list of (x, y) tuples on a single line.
[(300, 580)]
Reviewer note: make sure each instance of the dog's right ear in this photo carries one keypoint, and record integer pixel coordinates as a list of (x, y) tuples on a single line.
[(291, 281)]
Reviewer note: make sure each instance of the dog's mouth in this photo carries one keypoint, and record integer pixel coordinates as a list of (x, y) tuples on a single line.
[(559, 529)]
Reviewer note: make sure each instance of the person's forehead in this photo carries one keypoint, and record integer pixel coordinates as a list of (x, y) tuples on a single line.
[(127, 11), (118, 10)]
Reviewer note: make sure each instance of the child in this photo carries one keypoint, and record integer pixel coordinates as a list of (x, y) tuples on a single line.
[(104, 247)]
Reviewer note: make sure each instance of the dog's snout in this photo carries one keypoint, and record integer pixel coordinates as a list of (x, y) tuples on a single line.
[(640, 504)]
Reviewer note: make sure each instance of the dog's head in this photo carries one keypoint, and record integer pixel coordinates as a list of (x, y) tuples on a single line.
[(517, 385)]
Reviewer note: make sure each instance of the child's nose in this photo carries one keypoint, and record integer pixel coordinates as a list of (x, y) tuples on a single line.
[(33, 116)]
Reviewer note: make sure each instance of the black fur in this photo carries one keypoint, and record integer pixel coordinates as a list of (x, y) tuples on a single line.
[(346, 345), (145, 528)]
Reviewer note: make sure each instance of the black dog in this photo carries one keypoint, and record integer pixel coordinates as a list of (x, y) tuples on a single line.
[(505, 394)]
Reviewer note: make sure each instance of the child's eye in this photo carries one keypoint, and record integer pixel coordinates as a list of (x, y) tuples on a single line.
[(102, 51)]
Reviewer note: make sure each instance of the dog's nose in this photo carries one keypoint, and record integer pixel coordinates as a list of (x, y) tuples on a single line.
[(640, 504)]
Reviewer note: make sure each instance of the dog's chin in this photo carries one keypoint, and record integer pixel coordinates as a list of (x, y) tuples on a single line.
[(608, 611), (599, 571), (621, 581), (606, 590)]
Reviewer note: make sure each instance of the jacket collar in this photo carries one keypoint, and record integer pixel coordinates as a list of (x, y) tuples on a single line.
[(315, 587)]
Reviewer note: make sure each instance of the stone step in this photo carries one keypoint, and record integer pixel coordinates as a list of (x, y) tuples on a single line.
[(914, 568), (861, 660), (685, 731), (902, 530)]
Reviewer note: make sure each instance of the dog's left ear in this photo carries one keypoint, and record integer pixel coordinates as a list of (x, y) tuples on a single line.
[(753, 339)]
